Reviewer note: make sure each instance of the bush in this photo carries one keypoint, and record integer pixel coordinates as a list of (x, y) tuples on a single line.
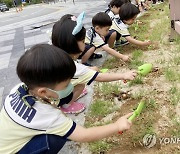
[(9, 3)]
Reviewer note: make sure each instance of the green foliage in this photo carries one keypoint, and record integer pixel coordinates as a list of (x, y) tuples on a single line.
[(109, 88), (174, 95), (36, 1), (151, 104), (9, 3), (135, 62), (137, 80), (137, 54), (101, 108), (109, 63), (171, 75), (100, 147)]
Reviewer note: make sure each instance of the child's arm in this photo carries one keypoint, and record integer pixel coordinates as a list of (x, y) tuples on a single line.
[(137, 42), (106, 77), (115, 53), (82, 134)]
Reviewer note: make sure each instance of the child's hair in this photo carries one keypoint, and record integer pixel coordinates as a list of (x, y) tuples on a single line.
[(128, 11), (62, 36), (117, 3), (101, 19), (45, 65)]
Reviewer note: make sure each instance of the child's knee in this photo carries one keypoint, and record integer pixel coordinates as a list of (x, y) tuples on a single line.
[(113, 35), (91, 50), (79, 87)]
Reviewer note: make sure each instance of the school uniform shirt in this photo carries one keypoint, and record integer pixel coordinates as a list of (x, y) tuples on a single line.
[(83, 75), (134, 2), (19, 122), (120, 27), (93, 38), (112, 15)]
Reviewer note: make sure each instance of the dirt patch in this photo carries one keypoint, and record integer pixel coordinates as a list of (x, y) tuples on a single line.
[(161, 115)]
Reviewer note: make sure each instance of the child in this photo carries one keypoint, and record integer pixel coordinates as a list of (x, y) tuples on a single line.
[(30, 121), (113, 12), (95, 38), (128, 14), (114, 8), (73, 44), (145, 4)]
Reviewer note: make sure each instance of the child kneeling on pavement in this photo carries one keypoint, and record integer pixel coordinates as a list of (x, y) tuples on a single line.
[(30, 120)]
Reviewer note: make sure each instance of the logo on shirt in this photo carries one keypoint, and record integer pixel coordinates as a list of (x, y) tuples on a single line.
[(21, 109)]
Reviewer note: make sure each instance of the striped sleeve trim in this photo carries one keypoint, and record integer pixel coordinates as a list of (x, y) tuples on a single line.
[(126, 35), (70, 131), (101, 45), (93, 78)]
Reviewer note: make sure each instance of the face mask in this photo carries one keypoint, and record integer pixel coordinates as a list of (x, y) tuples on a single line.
[(64, 93)]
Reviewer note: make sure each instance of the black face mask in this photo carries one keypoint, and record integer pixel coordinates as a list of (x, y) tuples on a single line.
[(66, 100)]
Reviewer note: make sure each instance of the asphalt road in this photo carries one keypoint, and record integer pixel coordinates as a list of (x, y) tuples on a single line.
[(28, 13)]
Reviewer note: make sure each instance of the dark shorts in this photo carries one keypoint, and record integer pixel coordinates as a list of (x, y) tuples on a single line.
[(44, 144), (87, 47), (110, 33)]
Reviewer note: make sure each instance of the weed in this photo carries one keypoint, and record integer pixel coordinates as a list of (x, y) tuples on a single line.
[(161, 61), (137, 80), (171, 75), (176, 59), (151, 104), (137, 54), (100, 147), (139, 95), (174, 95), (110, 63), (101, 108)]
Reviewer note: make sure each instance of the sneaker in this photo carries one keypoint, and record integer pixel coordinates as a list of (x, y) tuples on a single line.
[(121, 43), (87, 64), (95, 56), (84, 92), (74, 108)]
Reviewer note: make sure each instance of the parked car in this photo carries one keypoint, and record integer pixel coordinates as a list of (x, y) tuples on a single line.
[(3, 7)]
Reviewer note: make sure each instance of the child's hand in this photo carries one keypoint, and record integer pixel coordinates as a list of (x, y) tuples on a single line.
[(94, 68), (125, 58), (147, 42), (123, 123), (130, 75)]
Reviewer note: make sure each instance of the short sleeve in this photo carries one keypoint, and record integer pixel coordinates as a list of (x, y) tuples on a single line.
[(64, 129), (98, 41), (120, 27), (94, 39), (83, 75)]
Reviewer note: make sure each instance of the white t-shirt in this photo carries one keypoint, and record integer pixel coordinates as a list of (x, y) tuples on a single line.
[(93, 38), (83, 75), (120, 27), (19, 122)]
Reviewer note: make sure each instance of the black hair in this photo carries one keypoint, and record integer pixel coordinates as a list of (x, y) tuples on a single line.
[(45, 65), (128, 11), (117, 3), (62, 36), (101, 19)]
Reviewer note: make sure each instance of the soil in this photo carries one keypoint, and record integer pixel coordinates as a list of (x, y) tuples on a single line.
[(155, 87)]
